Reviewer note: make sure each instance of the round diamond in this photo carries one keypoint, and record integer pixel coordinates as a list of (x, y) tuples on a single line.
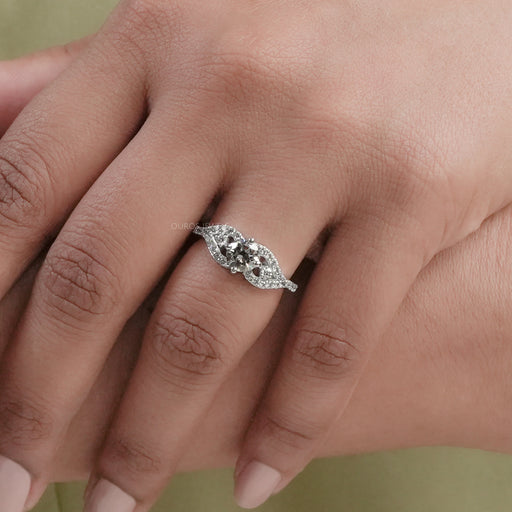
[(241, 255)]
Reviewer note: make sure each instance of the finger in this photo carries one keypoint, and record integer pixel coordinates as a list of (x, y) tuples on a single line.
[(21, 79), (358, 285), (106, 259), (14, 303), (204, 322), (57, 146)]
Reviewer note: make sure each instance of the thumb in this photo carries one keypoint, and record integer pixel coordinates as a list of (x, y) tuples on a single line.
[(21, 79)]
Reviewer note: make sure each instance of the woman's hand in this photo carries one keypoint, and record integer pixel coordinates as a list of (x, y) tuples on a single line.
[(385, 128), (451, 386)]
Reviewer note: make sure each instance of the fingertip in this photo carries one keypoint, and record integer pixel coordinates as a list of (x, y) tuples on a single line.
[(255, 483)]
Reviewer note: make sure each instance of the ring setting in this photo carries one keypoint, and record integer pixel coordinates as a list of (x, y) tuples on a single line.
[(232, 250)]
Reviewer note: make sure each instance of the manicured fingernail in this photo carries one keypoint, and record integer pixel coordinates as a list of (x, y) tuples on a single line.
[(14, 485), (255, 484), (107, 497)]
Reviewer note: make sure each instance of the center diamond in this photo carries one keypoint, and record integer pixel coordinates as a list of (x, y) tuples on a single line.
[(241, 255)]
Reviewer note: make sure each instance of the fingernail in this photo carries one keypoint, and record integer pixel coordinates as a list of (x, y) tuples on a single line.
[(255, 484), (107, 497), (14, 485)]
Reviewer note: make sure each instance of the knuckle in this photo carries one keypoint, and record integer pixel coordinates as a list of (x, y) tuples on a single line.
[(323, 350), (147, 25), (411, 165), (186, 349), (77, 282), (21, 191), (287, 433), (151, 14), (416, 152), (22, 422), (256, 64), (246, 64), (133, 457), (251, 72)]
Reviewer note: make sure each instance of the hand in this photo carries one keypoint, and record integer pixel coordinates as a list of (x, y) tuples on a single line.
[(455, 376), (375, 125)]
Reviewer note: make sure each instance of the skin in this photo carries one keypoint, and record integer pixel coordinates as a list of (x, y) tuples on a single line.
[(440, 377), (384, 128), (447, 347)]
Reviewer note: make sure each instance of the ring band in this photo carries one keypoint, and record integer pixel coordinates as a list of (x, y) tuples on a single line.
[(237, 253)]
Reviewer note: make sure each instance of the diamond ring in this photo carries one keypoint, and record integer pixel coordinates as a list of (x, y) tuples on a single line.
[(233, 251)]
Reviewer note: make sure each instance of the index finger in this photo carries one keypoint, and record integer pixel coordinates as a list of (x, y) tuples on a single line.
[(56, 148)]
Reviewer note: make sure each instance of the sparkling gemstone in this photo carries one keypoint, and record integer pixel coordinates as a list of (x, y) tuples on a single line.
[(251, 247), (241, 255)]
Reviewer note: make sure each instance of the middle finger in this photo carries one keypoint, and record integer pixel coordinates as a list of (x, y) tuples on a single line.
[(205, 321)]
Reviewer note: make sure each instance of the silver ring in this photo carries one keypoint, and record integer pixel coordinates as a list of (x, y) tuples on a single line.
[(237, 253)]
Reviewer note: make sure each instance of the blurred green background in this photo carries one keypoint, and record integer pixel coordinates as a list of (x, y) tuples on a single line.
[(420, 480)]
